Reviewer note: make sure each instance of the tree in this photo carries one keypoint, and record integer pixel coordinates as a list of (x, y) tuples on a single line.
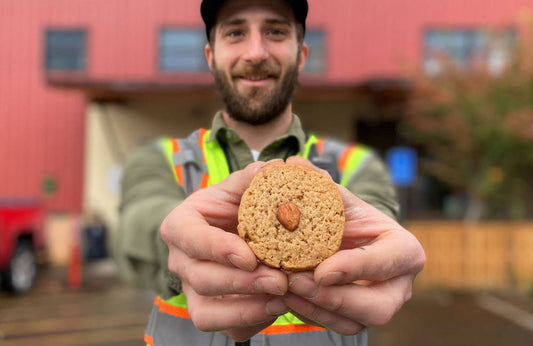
[(477, 128)]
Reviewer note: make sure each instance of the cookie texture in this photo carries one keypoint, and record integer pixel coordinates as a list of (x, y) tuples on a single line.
[(291, 217)]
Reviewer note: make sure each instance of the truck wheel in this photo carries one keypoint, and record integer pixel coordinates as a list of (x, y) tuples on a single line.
[(20, 274)]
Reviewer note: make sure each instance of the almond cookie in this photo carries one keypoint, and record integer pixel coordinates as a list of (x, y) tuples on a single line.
[(291, 217)]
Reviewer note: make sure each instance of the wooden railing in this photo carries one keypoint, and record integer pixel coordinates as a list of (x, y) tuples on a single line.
[(485, 256)]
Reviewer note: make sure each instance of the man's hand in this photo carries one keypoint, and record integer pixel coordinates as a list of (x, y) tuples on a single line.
[(367, 281), (226, 289)]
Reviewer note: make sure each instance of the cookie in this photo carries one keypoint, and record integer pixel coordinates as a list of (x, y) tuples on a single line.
[(291, 217)]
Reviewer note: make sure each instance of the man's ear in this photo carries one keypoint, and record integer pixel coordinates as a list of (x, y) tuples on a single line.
[(304, 53), (209, 55)]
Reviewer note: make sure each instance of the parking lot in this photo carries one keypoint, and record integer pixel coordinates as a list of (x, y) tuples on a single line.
[(106, 312)]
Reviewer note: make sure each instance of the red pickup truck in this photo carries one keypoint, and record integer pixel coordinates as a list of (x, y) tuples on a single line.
[(21, 238)]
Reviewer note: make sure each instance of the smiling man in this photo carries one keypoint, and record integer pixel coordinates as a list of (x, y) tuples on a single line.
[(184, 245), (256, 59)]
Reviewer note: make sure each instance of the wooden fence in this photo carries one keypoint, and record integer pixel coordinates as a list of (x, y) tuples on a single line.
[(485, 256)]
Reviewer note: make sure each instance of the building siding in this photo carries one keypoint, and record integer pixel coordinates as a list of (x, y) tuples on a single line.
[(42, 127)]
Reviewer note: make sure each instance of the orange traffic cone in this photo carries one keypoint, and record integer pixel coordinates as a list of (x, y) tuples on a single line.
[(75, 262)]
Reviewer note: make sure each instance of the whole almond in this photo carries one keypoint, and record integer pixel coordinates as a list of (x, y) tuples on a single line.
[(289, 216)]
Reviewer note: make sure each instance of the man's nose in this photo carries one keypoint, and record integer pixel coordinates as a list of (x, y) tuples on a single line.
[(256, 51)]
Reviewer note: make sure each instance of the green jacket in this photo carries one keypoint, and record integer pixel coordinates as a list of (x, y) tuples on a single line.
[(150, 192)]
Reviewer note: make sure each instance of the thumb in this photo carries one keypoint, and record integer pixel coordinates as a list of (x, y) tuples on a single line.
[(231, 189), (219, 203)]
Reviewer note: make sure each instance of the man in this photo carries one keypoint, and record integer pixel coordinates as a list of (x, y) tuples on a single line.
[(214, 290)]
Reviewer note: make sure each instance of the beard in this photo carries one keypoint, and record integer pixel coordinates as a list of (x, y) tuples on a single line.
[(258, 106)]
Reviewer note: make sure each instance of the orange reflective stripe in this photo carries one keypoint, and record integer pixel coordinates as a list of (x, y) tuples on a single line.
[(289, 328), (149, 340), (178, 170), (201, 142), (175, 146), (344, 158), (205, 181), (319, 146), (179, 174), (171, 309)]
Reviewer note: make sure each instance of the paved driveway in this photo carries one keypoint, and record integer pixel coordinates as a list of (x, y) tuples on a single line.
[(106, 312), (460, 319)]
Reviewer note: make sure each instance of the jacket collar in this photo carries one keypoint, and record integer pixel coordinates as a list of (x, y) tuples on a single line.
[(223, 133)]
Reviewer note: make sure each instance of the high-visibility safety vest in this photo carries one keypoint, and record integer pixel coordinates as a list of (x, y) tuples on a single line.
[(197, 163)]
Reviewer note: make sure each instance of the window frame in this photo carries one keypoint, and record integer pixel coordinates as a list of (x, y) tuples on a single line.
[(323, 52), (202, 63), (78, 67)]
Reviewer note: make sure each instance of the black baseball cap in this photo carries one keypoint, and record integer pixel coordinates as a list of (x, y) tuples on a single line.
[(209, 10)]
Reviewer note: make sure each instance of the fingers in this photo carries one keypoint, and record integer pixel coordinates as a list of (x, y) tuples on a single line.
[(184, 231), (346, 308), (204, 225), (211, 279), (366, 282), (315, 315), (392, 254), (219, 204), (374, 247), (227, 312)]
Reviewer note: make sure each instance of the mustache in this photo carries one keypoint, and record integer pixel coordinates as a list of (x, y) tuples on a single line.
[(257, 70)]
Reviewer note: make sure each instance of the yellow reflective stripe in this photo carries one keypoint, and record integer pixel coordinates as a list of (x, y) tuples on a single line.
[(215, 159), (312, 140), (353, 160), (166, 144), (288, 318), (179, 300)]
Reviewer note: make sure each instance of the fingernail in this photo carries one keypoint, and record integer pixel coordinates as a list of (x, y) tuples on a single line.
[(304, 287), (240, 262), (331, 278), (276, 307), (268, 285)]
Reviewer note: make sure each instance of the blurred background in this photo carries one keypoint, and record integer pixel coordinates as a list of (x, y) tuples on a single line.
[(442, 89)]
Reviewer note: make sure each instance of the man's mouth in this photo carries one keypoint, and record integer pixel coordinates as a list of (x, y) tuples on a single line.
[(256, 78), (256, 73)]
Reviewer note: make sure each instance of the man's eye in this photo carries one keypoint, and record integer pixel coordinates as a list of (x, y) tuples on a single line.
[(234, 33), (276, 32)]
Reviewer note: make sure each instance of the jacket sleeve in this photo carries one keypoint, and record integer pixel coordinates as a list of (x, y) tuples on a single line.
[(149, 193), (373, 185)]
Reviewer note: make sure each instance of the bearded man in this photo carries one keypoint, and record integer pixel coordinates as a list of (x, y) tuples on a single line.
[(178, 217)]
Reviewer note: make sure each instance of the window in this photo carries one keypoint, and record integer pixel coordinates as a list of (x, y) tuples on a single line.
[(66, 50), (465, 47), (316, 61), (182, 50)]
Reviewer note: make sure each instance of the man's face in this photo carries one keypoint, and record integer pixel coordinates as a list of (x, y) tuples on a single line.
[(255, 58)]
